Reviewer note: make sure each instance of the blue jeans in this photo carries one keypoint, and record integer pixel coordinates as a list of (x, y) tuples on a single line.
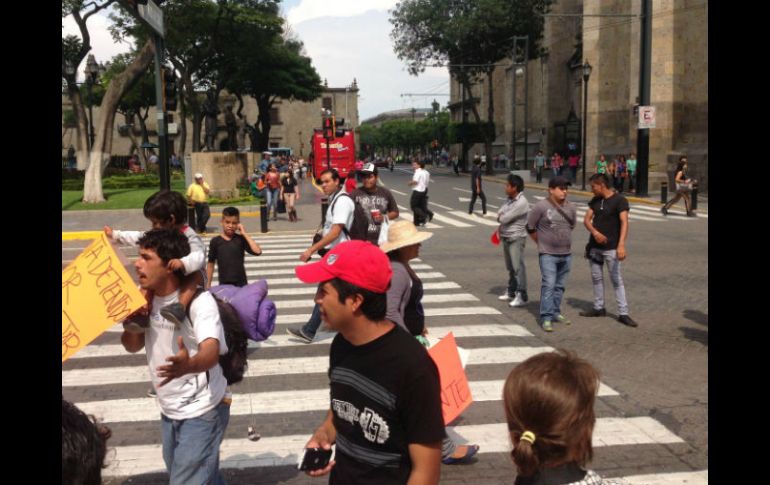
[(513, 250), (610, 257), (311, 327), (191, 446), (554, 268), (272, 199)]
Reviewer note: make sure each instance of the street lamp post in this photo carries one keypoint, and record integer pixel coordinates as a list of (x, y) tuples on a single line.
[(586, 75), (92, 75)]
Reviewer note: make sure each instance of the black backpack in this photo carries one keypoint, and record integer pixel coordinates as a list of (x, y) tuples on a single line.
[(234, 362), (359, 228)]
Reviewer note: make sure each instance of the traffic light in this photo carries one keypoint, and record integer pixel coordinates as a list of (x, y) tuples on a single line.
[(328, 128), (169, 89)]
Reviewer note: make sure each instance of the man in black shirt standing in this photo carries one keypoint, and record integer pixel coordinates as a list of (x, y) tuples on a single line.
[(476, 190), (607, 221), (227, 251), (385, 414)]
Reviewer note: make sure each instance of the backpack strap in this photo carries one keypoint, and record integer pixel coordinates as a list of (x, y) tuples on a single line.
[(198, 291), (344, 228), (563, 214)]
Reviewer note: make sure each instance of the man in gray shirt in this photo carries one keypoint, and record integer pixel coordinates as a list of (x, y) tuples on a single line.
[(550, 224), (512, 217), (539, 165)]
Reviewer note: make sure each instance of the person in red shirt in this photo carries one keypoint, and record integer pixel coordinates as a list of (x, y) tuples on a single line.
[(273, 182)]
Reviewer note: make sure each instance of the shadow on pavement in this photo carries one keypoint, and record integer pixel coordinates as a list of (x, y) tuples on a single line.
[(696, 335), (696, 316)]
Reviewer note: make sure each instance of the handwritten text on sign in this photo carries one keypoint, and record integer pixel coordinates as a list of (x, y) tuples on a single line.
[(455, 392), (96, 292)]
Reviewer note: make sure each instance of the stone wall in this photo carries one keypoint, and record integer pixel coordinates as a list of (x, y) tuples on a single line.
[(223, 170)]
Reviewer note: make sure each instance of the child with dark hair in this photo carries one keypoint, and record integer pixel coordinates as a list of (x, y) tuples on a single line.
[(549, 405), (227, 251), (165, 210), (83, 446)]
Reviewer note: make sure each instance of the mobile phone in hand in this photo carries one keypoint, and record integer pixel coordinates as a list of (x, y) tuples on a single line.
[(314, 459)]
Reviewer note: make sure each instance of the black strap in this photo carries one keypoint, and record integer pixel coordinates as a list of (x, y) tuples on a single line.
[(344, 229), (563, 214), (198, 291)]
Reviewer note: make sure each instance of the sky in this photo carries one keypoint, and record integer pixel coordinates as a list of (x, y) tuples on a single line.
[(346, 39)]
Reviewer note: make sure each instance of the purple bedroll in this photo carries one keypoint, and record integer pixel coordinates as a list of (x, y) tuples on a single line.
[(256, 312)]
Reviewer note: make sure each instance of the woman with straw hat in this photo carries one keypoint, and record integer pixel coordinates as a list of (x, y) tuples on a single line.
[(405, 305)]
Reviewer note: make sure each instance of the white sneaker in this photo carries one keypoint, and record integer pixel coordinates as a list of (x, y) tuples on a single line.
[(517, 301), (505, 296)]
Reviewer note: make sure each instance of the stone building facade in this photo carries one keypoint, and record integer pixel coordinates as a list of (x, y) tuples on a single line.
[(293, 121), (679, 84)]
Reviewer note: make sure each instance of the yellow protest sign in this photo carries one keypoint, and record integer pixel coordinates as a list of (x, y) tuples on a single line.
[(97, 291)]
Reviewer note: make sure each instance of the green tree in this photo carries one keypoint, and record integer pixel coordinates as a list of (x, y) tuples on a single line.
[(469, 37)]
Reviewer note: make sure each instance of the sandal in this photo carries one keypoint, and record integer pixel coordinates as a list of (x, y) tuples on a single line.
[(470, 452)]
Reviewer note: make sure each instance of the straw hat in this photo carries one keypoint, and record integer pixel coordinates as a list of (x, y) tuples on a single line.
[(402, 234)]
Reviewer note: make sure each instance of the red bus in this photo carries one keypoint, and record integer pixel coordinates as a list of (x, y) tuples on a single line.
[(342, 151)]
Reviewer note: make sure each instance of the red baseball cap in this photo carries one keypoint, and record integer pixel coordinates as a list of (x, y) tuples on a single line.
[(360, 263)]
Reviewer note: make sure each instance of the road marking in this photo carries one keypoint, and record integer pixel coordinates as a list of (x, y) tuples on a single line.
[(428, 298), (284, 450), (398, 192), (468, 199), (405, 214), (462, 190), (683, 478), (478, 219), (441, 206)]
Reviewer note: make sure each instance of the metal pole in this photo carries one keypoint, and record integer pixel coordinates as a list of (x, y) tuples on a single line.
[(643, 135), (585, 128), (663, 192), (464, 120), (513, 110), (526, 100), (694, 197), (263, 214), (160, 107)]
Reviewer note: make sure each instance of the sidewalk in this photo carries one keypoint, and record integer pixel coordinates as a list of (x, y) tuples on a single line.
[(88, 224), (500, 176)]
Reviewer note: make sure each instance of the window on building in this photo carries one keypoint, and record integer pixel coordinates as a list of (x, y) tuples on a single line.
[(274, 118), (327, 103)]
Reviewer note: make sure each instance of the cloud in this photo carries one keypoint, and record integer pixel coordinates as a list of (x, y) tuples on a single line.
[(315, 9), (343, 48)]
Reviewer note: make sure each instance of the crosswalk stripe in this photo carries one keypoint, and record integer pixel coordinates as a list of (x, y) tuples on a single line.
[(404, 213), (284, 450), (271, 402), (682, 478), (428, 298), (480, 220), (275, 367)]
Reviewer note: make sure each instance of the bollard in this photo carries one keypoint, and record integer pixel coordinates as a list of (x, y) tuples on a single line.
[(324, 207), (663, 192), (263, 214), (694, 197)]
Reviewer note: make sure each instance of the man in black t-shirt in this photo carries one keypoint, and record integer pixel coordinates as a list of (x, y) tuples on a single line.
[(227, 251), (607, 221), (476, 190), (377, 201), (385, 412)]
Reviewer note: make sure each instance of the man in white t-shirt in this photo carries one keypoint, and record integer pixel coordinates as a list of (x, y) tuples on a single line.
[(184, 364), (419, 201), (339, 215)]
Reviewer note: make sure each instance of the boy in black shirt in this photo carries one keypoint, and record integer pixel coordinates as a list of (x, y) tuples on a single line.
[(385, 414), (607, 221), (227, 251)]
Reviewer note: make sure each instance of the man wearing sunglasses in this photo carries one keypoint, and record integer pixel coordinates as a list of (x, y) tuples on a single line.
[(378, 202)]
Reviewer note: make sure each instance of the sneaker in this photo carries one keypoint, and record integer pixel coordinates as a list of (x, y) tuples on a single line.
[(300, 335), (518, 301), (173, 313), (547, 326), (562, 319), (505, 297), (523, 295), (692, 214), (626, 320), (151, 392), (137, 323), (664, 211), (593, 312), (430, 217)]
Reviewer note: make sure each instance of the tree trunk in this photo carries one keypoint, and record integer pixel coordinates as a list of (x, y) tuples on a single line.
[(100, 153), (145, 139), (263, 122), (81, 122), (182, 125)]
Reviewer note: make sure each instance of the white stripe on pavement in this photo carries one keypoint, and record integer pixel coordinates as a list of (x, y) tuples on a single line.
[(403, 213), (276, 367), (480, 220), (398, 192), (441, 206), (284, 450), (273, 402), (306, 303), (462, 190)]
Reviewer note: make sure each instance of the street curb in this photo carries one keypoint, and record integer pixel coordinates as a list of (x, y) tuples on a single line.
[(88, 235)]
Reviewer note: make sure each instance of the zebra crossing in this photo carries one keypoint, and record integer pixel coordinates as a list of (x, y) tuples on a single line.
[(447, 217), (285, 391)]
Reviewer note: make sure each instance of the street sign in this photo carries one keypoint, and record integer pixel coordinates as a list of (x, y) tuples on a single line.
[(153, 15), (646, 117)]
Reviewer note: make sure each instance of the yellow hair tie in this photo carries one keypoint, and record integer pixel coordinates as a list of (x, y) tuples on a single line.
[(528, 436)]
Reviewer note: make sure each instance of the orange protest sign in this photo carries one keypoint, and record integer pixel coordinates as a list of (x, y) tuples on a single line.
[(455, 392), (96, 292)]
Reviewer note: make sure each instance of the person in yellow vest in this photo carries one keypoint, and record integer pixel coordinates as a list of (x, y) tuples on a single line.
[(198, 196)]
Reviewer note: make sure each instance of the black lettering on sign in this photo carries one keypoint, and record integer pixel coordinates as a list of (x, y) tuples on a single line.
[(70, 334), (70, 277), (455, 393), (116, 301)]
